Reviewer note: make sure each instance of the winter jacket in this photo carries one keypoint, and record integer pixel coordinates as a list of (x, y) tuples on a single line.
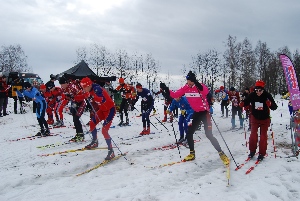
[(259, 107), (184, 106), (196, 98)]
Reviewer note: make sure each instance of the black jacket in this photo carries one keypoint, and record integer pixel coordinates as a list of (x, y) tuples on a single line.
[(256, 102)]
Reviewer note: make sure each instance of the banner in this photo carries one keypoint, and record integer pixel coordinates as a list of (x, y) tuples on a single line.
[(291, 81)]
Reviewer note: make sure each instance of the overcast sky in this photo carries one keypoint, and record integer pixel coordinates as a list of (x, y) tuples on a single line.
[(50, 31)]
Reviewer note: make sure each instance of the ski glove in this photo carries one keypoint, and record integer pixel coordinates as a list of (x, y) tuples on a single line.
[(268, 103)]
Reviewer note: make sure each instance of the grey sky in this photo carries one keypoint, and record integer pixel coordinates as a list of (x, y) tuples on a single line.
[(50, 31)]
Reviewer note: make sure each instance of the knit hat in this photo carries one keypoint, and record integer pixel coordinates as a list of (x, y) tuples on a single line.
[(191, 76), (26, 85), (43, 86), (50, 85), (86, 82), (52, 77), (259, 84), (63, 80), (247, 88), (221, 87), (121, 80), (232, 89), (138, 86)]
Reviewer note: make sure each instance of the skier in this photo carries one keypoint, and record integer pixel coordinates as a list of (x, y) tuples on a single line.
[(103, 108), (234, 97), (72, 91), (168, 101), (127, 93), (59, 102), (32, 92), (196, 95), (3, 95), (223, 93), (185, 116), (261, 102), (147, 105), (17, 84), (247, 109), (290, 106)]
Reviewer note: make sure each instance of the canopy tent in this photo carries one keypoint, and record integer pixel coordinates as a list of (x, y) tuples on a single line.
[(82, 70)]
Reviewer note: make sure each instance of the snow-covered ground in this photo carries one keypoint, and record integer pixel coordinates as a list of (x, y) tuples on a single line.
[(25, 175)]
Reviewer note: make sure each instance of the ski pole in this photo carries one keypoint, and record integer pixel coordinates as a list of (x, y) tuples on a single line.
[(176, 140)]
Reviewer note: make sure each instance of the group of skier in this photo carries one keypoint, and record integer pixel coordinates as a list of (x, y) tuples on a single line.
[(193, 99)]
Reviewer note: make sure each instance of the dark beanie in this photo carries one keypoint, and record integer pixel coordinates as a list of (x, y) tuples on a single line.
[(26, 85), (232, 89), (191, 76), (63, 80)]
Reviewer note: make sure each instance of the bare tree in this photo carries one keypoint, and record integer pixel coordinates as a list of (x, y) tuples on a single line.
[(13, 59), (100, 60), (81, 54), (232, 59), (247, 67)]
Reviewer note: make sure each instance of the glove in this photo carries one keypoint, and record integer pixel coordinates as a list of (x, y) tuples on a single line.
[(211, 110), (168, 111), (268, 102), (163, 86), (183, 112)]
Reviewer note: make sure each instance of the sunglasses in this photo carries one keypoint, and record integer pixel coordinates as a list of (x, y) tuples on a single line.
[(258, 90)]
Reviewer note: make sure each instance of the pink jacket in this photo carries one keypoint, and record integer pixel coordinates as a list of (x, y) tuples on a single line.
[(197, 101)]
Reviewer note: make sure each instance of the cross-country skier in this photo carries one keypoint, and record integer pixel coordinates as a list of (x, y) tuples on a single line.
[(168, 101), (196, 95), (234, 97), (3, 95), (147, 105), (223, 93), (32, 92), (185, 116), (102, 109), (73, 92), (128, 94), (261, 102)]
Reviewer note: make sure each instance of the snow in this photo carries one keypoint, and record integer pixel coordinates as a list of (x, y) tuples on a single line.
[(27, 176)]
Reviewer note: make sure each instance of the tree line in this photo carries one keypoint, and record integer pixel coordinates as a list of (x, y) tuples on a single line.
[(240, 65)]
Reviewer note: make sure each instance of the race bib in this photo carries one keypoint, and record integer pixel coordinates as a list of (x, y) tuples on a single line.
[(259, 106)]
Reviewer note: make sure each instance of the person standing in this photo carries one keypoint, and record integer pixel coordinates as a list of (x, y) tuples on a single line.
[(35, 95), (234, 97), (196, 95), (147, 105), (127, 93), (168, 101), (73, 91), (247, 109), (223, 93), (102, 109), (261, 102), (185, 116), (3, 95), (17, 84)]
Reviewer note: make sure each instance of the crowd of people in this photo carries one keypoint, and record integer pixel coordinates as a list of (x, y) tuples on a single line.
[(194, 101)]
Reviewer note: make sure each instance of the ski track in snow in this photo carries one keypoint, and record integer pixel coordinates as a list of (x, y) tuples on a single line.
[(27, 176)]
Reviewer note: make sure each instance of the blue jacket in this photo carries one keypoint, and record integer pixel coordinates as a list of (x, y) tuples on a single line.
[(184, 105)]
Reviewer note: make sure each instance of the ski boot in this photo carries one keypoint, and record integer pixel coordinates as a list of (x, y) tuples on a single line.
[(191, 156), (181, 140), (60, 123), (143, 131), (46, 133), (260, 157), (121, 123), (92, 145), (251, 154), (224, 158), (40, 133), (79, 137), (110, 154)]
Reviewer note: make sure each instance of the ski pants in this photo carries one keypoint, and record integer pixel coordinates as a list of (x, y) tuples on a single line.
[(3, 104), (124, 106), (107, 116), (183, 125), (204, 117), (59, 107), (40, 113), (77, 110), (224, 104), (253, 139)]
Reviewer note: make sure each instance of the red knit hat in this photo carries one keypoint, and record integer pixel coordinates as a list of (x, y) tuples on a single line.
[(43, 86), (259, 84), (86, 82), (138, 86), (121, 80), (221, 87)]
